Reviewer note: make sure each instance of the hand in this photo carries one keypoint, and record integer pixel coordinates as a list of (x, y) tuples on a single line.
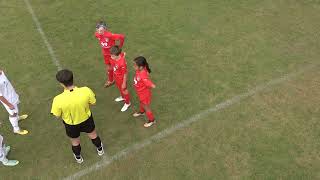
[(11, 107), (153, 86)]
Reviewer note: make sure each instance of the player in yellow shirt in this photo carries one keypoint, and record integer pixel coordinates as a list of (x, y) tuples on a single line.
[(73, 106)]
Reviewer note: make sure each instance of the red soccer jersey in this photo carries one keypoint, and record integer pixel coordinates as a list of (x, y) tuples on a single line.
[(107, 40), (119, 66), (142, 82)]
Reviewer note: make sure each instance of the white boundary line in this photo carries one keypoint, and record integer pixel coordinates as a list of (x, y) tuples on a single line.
[(43, 36), (166, 132)]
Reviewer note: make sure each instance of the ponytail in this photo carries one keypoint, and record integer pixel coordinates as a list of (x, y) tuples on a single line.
[(148, 68), (142, 62)]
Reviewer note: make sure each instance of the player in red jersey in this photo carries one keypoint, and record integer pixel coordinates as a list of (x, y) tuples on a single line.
[(119, 66), (107, 40), (143, 85)]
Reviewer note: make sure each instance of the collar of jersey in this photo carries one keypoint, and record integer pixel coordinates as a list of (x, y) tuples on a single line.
[(68, 91)]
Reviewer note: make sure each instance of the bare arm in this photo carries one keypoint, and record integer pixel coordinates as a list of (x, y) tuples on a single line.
[(6, 102)]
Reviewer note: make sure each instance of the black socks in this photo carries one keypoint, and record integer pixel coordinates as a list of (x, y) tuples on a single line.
[(97, 143), (76, 150)]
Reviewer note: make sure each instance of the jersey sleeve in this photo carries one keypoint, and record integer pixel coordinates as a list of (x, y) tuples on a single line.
[(96, 35), (55, 109), (92, 97), (119, 37)]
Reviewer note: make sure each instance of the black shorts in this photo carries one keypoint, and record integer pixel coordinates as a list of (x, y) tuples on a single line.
[(73, 131)]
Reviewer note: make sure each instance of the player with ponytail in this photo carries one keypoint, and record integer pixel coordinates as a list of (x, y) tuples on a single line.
[(143, 86)]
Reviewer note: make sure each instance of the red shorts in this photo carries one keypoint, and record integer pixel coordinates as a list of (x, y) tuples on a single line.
[(145, 97), (107, 58)]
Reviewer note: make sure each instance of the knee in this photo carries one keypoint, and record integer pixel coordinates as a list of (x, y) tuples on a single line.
[(92, 135), (75, 142)]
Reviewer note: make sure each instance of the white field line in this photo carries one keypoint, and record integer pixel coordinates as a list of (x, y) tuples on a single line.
[(43, 36), (135, 147)]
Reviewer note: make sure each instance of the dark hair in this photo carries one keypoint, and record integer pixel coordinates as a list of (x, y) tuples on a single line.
[(142, 62), (65, 77), (101, 24), (115, 50)]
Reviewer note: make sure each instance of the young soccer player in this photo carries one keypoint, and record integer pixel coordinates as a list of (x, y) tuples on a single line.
[(10, 100), (73, 106), (143, 85), (4, 150), (119, 66), (107, 40)]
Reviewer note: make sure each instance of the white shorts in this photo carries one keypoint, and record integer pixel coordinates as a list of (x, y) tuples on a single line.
[(13, 111)]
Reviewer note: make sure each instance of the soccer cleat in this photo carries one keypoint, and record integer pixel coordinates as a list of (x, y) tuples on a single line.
[(108, 84), (21, 132), (78, 159), (125, 107), (149, 123), (10, 162), (101, 151), (137, 114), (25, 116), (119, 99)]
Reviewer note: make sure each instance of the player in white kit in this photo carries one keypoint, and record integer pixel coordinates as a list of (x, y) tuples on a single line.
[(4, 150), (10, 100)]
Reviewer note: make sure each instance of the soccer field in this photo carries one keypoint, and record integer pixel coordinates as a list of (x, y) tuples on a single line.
[(258, 59)]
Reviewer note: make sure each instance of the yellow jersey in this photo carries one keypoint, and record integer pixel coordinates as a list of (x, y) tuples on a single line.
[(73, 106)]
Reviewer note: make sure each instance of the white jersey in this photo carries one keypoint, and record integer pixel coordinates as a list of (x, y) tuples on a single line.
[(7, 90)]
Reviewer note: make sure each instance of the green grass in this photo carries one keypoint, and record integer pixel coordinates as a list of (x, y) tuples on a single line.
[(201, 53)]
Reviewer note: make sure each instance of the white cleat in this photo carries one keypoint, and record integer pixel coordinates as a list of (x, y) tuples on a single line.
[(125, 107), (149, 123), (101, 151), (137, 114), (10, 162), (78, 159), (119, 99)]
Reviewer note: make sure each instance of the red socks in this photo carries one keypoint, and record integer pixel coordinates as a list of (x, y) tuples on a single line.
[(150, 116), (126, 98)]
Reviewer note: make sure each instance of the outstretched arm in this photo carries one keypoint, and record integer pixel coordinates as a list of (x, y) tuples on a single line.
[(119, 38)]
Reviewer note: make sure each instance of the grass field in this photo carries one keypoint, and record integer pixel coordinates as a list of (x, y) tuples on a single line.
[(202, 53)]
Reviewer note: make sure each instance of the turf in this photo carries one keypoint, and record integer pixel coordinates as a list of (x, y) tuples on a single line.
[(201, 53)]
